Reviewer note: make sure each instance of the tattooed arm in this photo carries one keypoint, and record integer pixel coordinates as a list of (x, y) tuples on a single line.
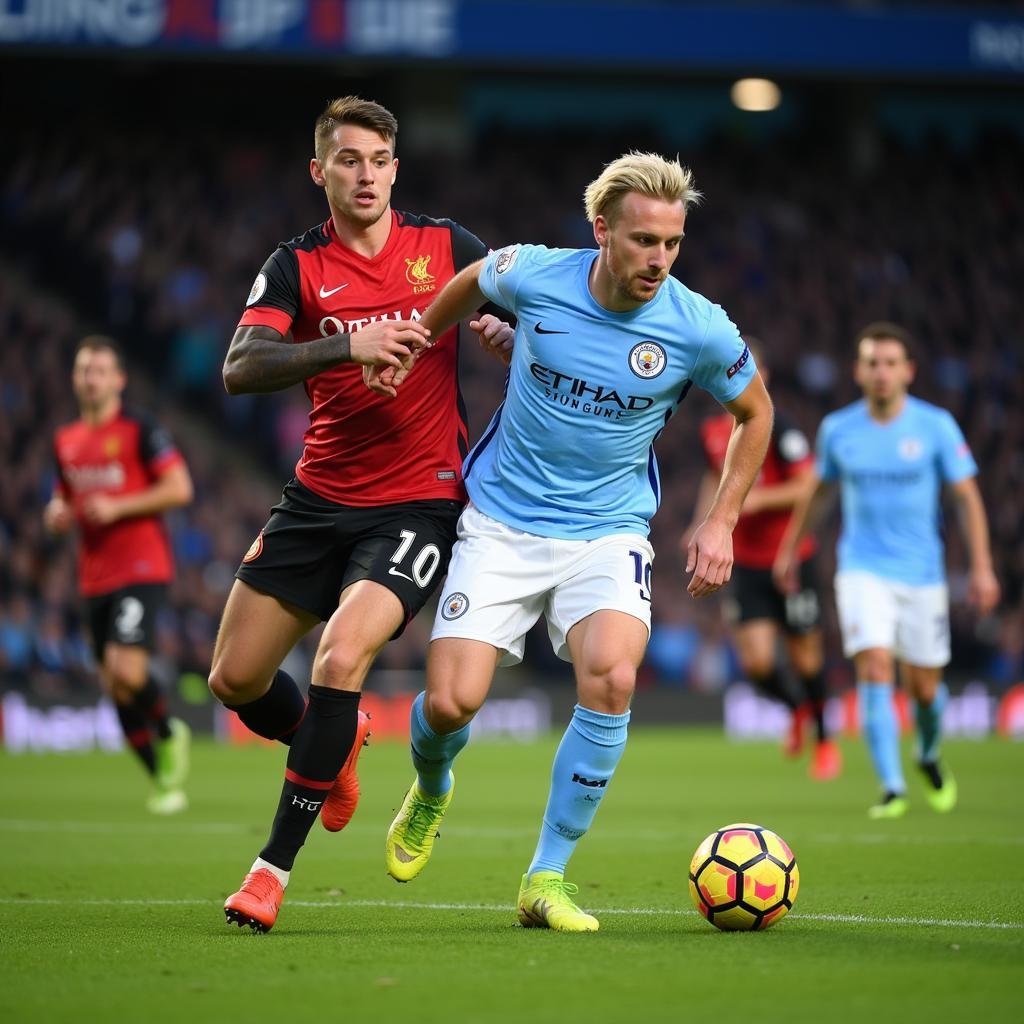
[(261, 359)]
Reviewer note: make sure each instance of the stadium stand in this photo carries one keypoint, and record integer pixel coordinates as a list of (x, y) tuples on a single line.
[(113, 227)]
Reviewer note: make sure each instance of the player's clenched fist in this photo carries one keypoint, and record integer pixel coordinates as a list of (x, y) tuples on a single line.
[(388, 342)]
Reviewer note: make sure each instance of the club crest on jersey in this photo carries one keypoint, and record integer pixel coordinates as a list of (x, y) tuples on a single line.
[(259, 286), (255, 549), (111, 446), (910, 449), (417, 274), (505, 259), (647, 359), (455, 605)]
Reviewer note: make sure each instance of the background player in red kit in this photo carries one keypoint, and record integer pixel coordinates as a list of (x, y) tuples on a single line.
[(116, 473), (364, 531), (756, 608)]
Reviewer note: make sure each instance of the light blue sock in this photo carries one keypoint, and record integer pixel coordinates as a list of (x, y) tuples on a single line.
[(584, 765), (929, 724), (882, 732), (433, 754)]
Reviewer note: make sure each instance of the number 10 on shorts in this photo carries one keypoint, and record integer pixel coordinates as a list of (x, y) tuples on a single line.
[(424, 565), (642, 574)]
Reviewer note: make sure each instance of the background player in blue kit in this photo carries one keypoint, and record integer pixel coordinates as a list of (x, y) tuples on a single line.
[(891, 453), (562, 487)]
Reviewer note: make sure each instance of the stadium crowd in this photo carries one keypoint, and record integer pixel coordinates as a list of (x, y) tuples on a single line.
[(157, 244)]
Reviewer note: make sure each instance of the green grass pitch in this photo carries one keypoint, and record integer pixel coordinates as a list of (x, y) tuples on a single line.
[(109, 915)]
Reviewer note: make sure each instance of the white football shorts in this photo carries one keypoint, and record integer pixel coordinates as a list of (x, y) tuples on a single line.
[(501, 580), (911, 621)]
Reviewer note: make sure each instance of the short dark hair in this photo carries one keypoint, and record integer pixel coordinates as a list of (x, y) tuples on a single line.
[(885, 329), (353, 110), (101, 343)]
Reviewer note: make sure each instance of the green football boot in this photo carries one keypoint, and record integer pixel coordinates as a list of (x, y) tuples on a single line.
[(411, 836), (940, 791), (545, 902), (892, 805), (172, 756)]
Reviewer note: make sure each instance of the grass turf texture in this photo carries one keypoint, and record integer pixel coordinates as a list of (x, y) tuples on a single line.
[(109, 914)]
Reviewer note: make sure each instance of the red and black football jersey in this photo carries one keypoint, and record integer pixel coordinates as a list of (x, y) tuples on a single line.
[(363, 449), (756, 539), (122, 456)]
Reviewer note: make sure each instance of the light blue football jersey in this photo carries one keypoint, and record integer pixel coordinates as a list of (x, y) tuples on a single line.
[(890, 478), (569, 453)]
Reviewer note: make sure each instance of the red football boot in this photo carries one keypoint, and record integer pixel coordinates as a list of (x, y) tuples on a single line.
[(342, 798), (256, 904), (826, 761)]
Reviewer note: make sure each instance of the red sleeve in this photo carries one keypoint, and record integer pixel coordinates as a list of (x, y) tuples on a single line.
[(274, 298), (264, 316)]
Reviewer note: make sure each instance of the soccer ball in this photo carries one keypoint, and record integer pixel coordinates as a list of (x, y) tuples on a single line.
[(744, 878)]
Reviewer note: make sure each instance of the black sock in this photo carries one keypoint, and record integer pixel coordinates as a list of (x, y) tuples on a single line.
[(136, 732), (277, 714), (153, 705), (931, 771), (774, 686), (321, 744), (814, 687)]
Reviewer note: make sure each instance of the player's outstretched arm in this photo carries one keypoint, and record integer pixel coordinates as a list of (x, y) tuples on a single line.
[(808, 514), (778, 496), (261, 359), (983, 587), (460, 297), (709, 555), (172, 489)]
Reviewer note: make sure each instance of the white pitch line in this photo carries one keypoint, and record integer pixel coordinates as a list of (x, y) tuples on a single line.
[(484, 832), (923, 922)]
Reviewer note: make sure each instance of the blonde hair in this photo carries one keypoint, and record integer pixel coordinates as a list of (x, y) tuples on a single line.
[(645, 173), (353, 110)]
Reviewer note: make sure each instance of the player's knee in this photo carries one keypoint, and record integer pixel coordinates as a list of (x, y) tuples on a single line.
[(876, 666), (609, 689), (341, 665), (448, 710), (123, 676), (757, 667), (807, 662), (230, 686)]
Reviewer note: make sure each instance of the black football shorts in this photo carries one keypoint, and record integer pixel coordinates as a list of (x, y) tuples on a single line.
[(311, 549), (752, 594), (125, 616)]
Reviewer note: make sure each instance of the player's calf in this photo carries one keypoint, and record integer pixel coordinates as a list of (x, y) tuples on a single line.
[(343, 797)]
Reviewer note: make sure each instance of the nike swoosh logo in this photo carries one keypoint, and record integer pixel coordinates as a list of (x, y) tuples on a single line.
[(392, 571), (540, 330), (324, 293)]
